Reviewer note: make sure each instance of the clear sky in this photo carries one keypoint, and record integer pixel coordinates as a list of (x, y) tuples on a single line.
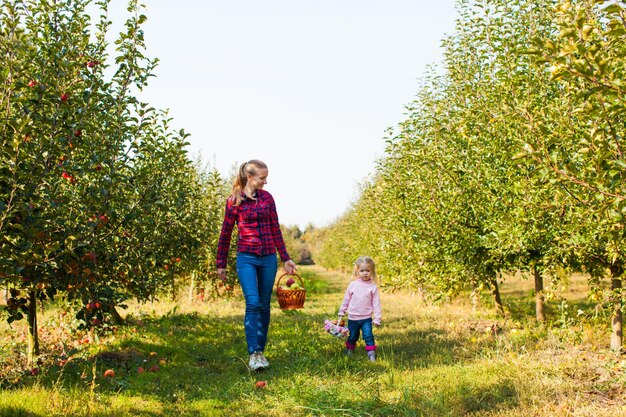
[(309, 87)]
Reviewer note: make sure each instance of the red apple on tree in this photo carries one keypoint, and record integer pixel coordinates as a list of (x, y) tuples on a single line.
[(89, 257)]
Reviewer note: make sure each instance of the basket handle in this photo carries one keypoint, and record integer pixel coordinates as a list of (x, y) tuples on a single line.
[(291, 275)]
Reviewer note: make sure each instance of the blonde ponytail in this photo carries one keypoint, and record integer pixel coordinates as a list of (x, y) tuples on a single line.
[(245, 169)]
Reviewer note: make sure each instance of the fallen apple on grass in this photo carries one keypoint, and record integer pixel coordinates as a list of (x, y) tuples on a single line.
[(261, 384)]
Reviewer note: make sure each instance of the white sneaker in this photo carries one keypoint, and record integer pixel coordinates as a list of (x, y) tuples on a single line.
[(258, 361), (255, 362), (264, 362)]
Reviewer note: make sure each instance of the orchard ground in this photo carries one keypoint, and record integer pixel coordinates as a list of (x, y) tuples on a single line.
[(434, 359)]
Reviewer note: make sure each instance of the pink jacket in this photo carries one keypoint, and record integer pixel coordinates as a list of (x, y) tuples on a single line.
[(361, 300)]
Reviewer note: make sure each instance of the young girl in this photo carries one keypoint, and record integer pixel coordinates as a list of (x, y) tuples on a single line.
[(361, 300), (253, 210)]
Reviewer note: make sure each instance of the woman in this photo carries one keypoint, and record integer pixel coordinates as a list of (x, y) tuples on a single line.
[(254, 212)]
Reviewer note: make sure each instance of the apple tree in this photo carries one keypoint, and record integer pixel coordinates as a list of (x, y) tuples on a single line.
[(99, 201), (584, 149)]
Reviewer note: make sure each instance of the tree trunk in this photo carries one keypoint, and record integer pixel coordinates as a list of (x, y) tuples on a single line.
[(616, 317), (540, 302), (495, 292), (115, 315), (33, 336), (475, 297), (421, 295), (192, 285)]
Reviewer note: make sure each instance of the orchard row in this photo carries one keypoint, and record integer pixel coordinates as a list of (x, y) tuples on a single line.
[(511, 158)]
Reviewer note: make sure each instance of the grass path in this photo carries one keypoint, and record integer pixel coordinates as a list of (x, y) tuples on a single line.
[(435, 360)]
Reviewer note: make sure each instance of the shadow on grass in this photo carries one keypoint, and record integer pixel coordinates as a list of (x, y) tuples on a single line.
[(409, 349), (462, 400), (208, 353), (12, 411), (524, 308), (489, 397), (202, 357), (131, 411)]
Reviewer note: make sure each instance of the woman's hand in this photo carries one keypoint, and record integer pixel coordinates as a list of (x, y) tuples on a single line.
[(290, 267), (221, 272)]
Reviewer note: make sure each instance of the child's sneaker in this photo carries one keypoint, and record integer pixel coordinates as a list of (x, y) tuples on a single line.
[(348, 351), (371, 354)]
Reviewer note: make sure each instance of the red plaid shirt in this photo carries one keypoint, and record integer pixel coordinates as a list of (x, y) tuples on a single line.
[(257, 223)]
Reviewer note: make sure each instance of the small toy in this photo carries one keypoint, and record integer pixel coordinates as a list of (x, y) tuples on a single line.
[(335, 329)]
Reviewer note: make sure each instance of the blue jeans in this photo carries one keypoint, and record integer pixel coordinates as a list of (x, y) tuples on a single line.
[(355, 326), (256, 276)]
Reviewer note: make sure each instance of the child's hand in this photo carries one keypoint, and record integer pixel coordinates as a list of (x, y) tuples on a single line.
[(376, 324)]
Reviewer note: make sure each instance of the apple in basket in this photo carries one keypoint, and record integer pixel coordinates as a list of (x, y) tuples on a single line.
[(291, 284)]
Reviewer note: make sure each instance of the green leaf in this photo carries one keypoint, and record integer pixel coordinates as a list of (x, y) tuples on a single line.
[(612, 9)]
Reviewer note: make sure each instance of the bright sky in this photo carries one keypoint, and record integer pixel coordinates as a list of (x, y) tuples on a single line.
[(309, 87)]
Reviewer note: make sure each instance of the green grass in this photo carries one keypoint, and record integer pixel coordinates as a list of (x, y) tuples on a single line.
[(434, 360)]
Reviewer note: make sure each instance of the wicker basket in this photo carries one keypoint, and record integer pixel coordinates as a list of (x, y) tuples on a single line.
[(290, 299)]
